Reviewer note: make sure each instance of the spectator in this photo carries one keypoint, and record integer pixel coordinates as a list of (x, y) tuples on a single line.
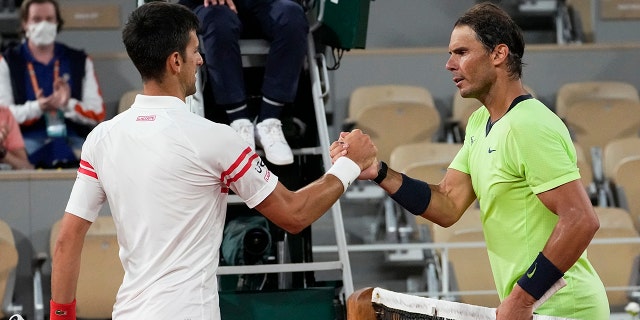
[(283, 22), (12, 152), (51, 88)]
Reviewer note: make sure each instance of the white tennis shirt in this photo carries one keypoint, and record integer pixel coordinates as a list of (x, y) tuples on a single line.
[(166, 174)]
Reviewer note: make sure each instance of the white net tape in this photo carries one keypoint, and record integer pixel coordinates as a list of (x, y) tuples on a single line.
[(434, 308)]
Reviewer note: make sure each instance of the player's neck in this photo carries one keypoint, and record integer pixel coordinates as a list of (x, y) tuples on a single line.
[(164, 88), (500, 97)]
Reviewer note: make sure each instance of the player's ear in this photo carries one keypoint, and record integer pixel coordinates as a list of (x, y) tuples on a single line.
[(174, 62), (500, 53)]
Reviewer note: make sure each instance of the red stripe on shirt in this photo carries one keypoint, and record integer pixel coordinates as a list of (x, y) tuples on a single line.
[(244, 170), (88, 172), (236, 164), (86, 164)]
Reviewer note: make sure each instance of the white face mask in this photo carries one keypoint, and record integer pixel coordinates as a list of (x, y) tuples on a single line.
[(42, 33)]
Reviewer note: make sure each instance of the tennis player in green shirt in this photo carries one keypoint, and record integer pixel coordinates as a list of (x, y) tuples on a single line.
[(518, 160)]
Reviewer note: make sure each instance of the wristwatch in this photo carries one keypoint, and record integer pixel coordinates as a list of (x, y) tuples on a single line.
[(382, 172)]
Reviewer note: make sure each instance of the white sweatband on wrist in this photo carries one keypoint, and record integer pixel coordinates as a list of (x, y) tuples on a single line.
[(346, 170)]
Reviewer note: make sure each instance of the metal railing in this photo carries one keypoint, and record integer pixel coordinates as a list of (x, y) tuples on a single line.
[(443, 248)]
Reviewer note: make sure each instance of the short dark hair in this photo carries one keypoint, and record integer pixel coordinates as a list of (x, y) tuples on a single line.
[(24, 10), (493, 26), (153, 32)]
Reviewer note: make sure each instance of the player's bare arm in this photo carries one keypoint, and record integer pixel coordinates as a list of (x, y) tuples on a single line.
[(66, 258), (576, 226), (295, 210), (449, 199)]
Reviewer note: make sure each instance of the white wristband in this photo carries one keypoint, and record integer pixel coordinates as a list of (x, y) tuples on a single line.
[(346, 170)]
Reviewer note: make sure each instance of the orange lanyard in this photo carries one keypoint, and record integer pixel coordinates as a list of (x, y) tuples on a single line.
[(34, 79)]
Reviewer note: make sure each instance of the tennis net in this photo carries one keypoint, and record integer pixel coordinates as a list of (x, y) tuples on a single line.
[(390, 305)]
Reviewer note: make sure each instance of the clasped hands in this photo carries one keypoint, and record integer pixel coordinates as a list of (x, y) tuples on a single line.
[(357, 146), (58, 100)]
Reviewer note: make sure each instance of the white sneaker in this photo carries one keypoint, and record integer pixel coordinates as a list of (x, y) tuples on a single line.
[(245, 129), (270, 137)]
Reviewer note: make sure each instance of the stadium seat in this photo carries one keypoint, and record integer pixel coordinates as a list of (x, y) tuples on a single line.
[(394, 115), (626, 178), (101, 272), (426, 161), (470, 266), (8, 265), (570, 93), (617, 150), (594, 123), (366, 96), (586, 173), (614, 153), (614, 262)]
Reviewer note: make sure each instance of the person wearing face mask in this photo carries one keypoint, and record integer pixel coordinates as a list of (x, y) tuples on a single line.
[(50, 88)]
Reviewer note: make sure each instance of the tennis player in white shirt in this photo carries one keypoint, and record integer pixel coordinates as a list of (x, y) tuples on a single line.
[(166, 174)]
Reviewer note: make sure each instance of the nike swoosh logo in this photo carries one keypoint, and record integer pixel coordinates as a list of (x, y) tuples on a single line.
[(491, 150), (530, 274)]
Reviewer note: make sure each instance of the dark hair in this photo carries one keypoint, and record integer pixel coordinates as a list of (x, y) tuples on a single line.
[(24, 10), (153, 32), (493, 26)]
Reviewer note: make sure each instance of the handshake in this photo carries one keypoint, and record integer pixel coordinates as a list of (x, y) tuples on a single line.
[(358, 147)]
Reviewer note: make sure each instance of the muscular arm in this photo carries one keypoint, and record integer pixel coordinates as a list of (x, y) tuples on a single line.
[(66, 258), (295, 210), (449, 199), (577, 224)]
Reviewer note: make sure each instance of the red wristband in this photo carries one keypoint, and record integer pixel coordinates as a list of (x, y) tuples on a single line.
[(60, 311)]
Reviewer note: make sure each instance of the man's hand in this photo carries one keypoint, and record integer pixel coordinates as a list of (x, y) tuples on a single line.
[(61, 94), (371, 172), (517, 306), (359, 145), (362, 150), (229, 4), (338, 148), (45, 103)]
